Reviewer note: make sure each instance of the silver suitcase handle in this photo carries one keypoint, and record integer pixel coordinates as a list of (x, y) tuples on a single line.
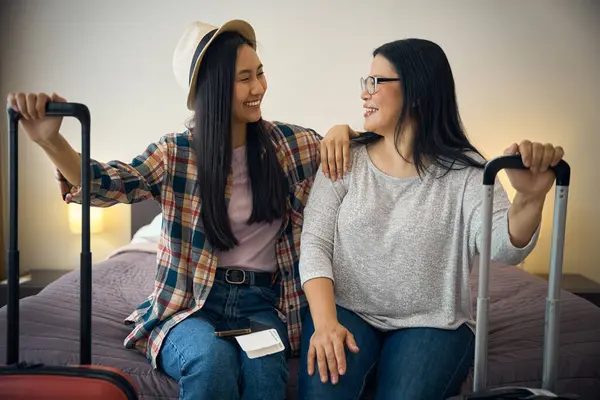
[(562, 172)]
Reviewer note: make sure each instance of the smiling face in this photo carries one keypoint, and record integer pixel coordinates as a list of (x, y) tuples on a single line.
[(384, 106), (249, 86)]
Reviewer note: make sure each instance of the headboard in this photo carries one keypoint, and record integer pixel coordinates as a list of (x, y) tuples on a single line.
[(143, 213)]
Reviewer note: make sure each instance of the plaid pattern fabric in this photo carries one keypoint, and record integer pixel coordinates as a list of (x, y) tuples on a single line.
[(166, 172)]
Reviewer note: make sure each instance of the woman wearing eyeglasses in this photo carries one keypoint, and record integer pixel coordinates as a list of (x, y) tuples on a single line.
[(386, 251)]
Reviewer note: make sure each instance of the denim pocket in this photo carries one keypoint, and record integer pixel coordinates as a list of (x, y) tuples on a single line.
[(267, 293)]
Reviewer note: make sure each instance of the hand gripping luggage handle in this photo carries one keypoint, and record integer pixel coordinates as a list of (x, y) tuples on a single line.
[(82, 113), (495, 165), (562, 173)]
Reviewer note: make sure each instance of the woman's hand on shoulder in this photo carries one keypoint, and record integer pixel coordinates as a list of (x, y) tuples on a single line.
[(335, 151), (327, 346)]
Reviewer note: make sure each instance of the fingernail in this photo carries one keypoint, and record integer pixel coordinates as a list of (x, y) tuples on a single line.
[(342, 371), (327, 175)]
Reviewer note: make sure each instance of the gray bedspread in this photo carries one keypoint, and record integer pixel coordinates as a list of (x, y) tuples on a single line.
[(50, 329)]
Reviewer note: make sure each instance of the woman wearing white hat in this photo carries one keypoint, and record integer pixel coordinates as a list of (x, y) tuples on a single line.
[(232, 190)]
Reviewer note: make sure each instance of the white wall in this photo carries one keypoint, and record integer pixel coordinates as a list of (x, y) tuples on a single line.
[(523, 70)]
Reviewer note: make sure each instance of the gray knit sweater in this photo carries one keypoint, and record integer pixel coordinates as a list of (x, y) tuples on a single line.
[(399, 250)]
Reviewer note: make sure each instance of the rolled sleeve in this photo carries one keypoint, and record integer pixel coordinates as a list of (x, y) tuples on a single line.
[(116, 182)]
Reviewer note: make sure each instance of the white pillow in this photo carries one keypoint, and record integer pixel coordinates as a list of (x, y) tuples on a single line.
[(150, 232)]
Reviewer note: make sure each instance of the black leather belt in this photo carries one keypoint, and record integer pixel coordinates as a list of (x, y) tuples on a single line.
[(242, 277)]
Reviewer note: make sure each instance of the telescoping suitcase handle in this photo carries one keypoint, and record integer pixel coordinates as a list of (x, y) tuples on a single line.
[(81, 112), (562, 172)]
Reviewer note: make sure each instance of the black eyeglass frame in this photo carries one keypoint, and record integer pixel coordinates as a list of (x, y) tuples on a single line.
[(376, 80)]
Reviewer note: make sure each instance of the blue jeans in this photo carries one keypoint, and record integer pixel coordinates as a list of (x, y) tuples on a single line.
[(412, 363), (209, 367)]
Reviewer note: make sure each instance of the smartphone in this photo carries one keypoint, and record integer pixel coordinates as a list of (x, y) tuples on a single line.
[(226, 329), (233, 332), (243, 327)]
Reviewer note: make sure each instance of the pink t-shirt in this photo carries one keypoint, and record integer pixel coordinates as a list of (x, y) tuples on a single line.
[(256, 249)]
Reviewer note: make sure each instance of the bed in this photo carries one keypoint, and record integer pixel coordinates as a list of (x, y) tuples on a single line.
[(50, 325)]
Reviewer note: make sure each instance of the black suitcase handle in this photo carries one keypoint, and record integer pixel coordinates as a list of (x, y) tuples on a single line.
[(495, 165), (82, 113)]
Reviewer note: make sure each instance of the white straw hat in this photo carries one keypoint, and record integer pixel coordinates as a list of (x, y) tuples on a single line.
[(193, 45)]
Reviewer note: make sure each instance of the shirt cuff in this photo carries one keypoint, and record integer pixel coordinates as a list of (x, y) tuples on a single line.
[(71, 193), (506, 251)]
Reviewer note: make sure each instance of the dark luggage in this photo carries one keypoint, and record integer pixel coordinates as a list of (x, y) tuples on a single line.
[(550, 351), (20, 381)]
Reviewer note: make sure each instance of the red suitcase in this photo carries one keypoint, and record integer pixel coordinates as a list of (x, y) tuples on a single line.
[(20, 381)]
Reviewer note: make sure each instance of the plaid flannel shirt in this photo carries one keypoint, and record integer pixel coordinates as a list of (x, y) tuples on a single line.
[(166, 172)]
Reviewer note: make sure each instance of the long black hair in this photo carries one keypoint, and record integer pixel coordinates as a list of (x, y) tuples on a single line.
[(429, 101), (213, 147)]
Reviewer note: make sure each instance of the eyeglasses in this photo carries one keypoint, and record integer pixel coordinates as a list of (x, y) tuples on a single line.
[(370, 83)]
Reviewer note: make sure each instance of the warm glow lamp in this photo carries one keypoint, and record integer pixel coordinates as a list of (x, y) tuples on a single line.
[(96, 222)]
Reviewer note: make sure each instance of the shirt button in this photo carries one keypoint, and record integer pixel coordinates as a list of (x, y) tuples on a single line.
[(291, 306)]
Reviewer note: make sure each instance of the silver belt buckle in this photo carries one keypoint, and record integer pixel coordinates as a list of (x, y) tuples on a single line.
[(234, 282)]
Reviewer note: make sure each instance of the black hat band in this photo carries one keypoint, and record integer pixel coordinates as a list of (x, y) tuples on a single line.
[(199, 49)]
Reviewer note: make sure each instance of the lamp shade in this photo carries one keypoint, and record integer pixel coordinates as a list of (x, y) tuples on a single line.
[(96, 219)]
